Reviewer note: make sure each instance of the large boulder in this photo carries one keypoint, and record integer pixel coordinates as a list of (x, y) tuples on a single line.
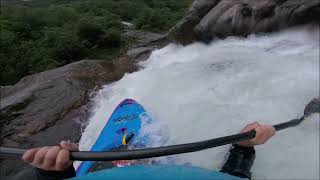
[(144, 43), (45, 108), (40, 100), (210, 19)]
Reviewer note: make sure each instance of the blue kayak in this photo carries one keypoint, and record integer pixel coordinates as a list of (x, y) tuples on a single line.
[(158, 172), (123, 126)]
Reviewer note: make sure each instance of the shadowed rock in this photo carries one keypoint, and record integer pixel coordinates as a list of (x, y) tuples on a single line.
[(144, 44), (210, 19), (40, 100)]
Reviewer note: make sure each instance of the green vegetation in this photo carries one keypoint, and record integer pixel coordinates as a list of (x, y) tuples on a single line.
[(42, 35)]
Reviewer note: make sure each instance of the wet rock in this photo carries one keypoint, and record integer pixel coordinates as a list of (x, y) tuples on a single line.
[(140, 53), (211, 19), (45, 108), (40, 100), (144, 43)]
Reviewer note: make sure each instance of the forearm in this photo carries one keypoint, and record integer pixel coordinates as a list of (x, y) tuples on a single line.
[(55, 175), (240, 161)]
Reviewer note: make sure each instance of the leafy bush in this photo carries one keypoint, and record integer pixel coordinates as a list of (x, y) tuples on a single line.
[(45, 34)]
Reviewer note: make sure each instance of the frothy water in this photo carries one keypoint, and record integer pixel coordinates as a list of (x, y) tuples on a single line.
[(202, 91)]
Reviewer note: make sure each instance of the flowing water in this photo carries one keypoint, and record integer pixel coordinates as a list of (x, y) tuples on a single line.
[(203, 91)]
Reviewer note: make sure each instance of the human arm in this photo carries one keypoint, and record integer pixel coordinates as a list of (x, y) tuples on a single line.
[(242, 155)]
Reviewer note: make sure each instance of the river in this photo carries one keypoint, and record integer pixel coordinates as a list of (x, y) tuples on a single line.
[(200, 91)]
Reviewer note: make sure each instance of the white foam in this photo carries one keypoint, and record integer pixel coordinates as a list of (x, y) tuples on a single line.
[(205, 91)]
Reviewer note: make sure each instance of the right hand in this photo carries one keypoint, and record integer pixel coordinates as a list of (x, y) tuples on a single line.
[(51, 158), (263, 134)]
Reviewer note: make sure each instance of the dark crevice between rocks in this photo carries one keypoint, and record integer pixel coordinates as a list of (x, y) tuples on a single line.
[(292, 11), (280, 2), (309, 13), (16, 107), (265, 12), (246, 11), (204, 7)]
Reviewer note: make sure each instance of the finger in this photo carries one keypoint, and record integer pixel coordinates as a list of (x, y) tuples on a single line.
[(39, 157), (50, 158), (271, 131), (259, 135), (28, 156), (250, 127), (265, 135), (251, 124), (69, 146), (63, 160)]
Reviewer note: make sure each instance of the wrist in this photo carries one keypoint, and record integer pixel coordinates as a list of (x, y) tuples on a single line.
[(247, 149), (67, 173), (245, 144)]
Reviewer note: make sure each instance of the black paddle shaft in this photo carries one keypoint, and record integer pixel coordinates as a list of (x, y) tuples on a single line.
[(292, 123), (159, 151), (175, 149)]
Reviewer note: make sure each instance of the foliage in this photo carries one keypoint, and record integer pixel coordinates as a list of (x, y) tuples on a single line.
[(44, 34)]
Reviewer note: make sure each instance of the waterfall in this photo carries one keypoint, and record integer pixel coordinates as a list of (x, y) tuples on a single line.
[(203, 91)]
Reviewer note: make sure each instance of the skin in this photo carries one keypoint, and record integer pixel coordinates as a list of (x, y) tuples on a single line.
[(51, 158), (56, 158), (263, 134)]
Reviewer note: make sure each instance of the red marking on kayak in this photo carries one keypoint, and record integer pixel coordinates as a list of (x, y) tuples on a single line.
[(123, 163), (127, 102)]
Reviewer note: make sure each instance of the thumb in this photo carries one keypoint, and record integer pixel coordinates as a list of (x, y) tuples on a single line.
[(67, 145), (250, 127)]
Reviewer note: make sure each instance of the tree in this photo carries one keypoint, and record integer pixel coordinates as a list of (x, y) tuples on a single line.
[(89, 31), (111, 38)]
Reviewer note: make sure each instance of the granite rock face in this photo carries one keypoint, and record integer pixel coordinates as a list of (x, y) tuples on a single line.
[(144, 43), (45, 108), (207, 20), (40, 100)]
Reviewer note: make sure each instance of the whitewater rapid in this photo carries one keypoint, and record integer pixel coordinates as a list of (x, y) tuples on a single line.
[(203, 91)]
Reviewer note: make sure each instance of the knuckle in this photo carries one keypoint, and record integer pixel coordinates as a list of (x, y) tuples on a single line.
[(56, 148), (61, 162), (27, 156), (259, 130), (50, 159), (38, 158), (255, 124)]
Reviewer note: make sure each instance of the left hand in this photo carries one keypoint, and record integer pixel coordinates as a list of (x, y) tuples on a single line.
[(51, 158)]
